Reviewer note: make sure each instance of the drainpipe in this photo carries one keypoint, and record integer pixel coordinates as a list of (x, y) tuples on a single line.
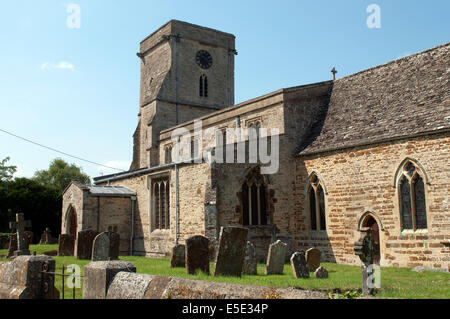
[(177, 205), (133, 204)]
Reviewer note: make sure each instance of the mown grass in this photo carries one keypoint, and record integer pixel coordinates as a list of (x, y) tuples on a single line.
[(395, 282)]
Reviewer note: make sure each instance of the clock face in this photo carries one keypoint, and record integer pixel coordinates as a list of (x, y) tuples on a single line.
[(204, 59)]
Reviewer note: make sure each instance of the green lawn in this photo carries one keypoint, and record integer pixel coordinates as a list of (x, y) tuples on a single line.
[(395, 282)]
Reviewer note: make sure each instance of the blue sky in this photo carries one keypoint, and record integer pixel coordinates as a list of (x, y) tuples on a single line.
[(77, 90)]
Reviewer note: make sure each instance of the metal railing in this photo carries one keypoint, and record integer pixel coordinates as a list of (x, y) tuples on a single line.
[(63, 275)]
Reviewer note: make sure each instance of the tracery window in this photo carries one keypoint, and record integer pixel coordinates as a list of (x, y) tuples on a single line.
[(168, 154), (316, 199), (254, 199), (411, 190), (161, 203)]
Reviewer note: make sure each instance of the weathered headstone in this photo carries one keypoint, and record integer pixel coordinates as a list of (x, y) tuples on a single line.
[(66, 245), (366, 249), (231, 251), (321, 273), (178, 258), (276, 258), (250, 265), (47, 239), (197, 254), (106, 246), (313, 258), (13, 242), (299, 265), (19, 225), (84, 243)]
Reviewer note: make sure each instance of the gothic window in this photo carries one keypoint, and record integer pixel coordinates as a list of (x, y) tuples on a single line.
[(411, 190), (254, 200), (316, 198), (161, 203), (194, 148), (203, 86), (168, 154)]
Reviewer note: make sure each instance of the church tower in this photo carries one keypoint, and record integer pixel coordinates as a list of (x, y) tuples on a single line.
[(187, 71)]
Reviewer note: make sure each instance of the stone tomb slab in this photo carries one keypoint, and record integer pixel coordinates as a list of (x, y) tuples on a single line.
[(299, 265), (197, 254), (250, 264), (313, 258), (231, 251), (275, 258), (84, 243), (178, 258), (106, 246)]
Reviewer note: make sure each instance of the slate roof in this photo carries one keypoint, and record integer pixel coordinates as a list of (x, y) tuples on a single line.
[(111, 191), (402, 98)]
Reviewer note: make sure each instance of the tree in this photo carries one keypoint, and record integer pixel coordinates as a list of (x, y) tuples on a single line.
[(60, 174), (6, 172)]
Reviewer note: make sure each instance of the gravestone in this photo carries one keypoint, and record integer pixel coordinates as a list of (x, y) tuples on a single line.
[(47, 239), (178, 258), (13, 242), (276, 258), (313, 258), (231, 251), (197, 254), (66, 245), (106, 246), (19, 225), (366, 249), (299, 266), (250, 265), (84, 243), (321, 273)]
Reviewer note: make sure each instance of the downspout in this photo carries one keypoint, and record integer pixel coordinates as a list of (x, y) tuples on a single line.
[(133, 204), (177, 205)]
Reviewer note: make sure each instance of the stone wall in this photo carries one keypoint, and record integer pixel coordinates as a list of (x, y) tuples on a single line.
[(360, 180)]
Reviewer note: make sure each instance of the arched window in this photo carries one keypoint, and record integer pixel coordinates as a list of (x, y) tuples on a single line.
[(161, 203), (168, 154), (316, 198), (411, 190), (203, 86), (254, 199)]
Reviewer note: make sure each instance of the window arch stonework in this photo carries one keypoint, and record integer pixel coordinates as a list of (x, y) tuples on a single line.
[(410, 183), (255, 199), (316, 207)]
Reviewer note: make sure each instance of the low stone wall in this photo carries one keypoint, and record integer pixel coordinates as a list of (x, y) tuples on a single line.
[(22, 278), (127, 284)]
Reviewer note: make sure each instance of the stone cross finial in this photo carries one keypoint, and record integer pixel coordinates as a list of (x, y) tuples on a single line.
[(334, 71), (19, 225)]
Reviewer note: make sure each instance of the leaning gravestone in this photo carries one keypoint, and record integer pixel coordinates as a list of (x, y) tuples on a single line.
[(46, 238), (197, 254), (66, 245), (230, 252), (178, 258), (313, 258), (321, 273), (299, 265), (106, 247), (83, 245), (275, 258), (250, 266)]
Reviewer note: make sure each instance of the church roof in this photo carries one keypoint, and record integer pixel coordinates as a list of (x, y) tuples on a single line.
[(111, 191), (406, 97)]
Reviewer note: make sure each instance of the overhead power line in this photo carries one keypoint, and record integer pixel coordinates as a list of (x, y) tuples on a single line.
[(57, 151)]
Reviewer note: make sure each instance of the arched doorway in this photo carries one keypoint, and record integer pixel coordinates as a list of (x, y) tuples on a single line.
[(71, 224), (368, 221)]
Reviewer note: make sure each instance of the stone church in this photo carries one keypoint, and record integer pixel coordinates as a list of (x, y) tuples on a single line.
[(366, 150)]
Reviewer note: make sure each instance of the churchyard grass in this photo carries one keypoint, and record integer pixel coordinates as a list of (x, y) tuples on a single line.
[(395, 282)]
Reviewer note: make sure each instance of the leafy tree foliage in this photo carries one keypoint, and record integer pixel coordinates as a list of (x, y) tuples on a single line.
[(40, 203), (60, 174), (6, 172)]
